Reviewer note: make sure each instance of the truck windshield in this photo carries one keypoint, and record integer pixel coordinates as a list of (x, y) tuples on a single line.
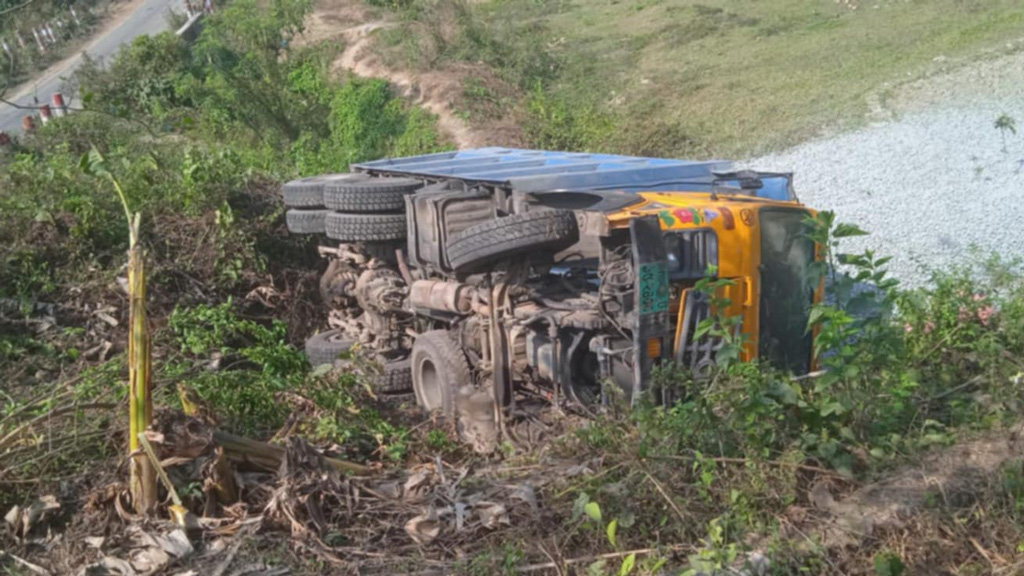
[(786, 296)]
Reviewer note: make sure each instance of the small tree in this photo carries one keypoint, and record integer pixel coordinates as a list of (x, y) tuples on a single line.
[(1005, 123)]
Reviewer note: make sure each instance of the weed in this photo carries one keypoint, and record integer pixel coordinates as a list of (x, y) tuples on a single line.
[(888, 564), (1005, 124), (559, 124), (438, 440), (503, 560)]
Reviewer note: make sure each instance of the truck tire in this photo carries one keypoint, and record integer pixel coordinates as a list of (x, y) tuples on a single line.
[(370, 195), (548, 230), (309, 192), (439, 370), (327, 347), (365, 227), (396, 378), (306, 221)]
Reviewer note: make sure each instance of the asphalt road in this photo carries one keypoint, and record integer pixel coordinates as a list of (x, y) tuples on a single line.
[(150, 17)]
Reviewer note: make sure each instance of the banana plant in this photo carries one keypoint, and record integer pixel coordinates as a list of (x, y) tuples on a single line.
[(142, 481)]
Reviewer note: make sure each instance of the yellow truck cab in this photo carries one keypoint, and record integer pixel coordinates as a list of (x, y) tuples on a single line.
[(761, 246)]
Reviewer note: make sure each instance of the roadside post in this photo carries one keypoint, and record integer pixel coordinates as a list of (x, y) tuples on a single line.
[(39, 41), (59, 107), (45, 113), (28, 124)]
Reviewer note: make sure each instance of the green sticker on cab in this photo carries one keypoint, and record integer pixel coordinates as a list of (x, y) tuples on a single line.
[(653, 288)]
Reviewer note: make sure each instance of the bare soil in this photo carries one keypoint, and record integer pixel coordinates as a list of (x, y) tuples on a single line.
[(949, 477)]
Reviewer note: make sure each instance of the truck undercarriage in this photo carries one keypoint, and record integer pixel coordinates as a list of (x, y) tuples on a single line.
[(490, 280)]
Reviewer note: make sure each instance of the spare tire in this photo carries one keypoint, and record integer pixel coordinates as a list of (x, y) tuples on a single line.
[(309, 192), (365, 227), (306, 221), (396, 378), (369, 195), (439, 370), (547, 230), (327, 347)]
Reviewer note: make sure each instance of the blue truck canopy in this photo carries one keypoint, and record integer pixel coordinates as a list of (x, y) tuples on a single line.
[(548, 171)]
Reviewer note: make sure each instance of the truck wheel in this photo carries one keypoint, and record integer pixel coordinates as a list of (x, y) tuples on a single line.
[(309, 192), (365, 227), (370, 195), (548, 230), (306, 221), (327, 347), (439, 370), (396, 379)]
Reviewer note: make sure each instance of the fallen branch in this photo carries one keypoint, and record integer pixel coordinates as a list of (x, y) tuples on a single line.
[(34, 449), (595, 557), (672, 504), (35, 569), (233, 551), (53, 396), (809, 375), (6, 440), (269, 457), (950, 391), (774, 463)]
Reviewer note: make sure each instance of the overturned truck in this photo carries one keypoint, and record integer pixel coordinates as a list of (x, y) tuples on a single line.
[(484, 280)]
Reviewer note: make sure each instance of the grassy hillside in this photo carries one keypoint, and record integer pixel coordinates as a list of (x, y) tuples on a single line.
[(703, 78), (752, 463)]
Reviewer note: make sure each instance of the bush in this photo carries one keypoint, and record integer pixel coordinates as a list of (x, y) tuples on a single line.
[(144, 78), (252, 378)]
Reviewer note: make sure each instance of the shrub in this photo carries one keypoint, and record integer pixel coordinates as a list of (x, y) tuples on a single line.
[(555, 123)]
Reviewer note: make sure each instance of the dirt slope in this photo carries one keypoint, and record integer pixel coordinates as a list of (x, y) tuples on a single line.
[(433, 91)]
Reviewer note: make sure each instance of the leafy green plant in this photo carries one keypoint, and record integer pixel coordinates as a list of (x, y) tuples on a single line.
[(720, 325), (857, 342), (888, 564), (588, 512), (718, 554), (259, 364)]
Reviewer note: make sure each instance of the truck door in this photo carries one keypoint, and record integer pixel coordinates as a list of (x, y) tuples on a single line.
[(786, 293)]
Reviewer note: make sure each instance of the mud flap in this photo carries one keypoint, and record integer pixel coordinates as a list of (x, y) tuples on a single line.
[(652, 321)]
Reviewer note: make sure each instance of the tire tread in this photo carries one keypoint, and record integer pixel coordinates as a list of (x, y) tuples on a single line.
[(512, 235)]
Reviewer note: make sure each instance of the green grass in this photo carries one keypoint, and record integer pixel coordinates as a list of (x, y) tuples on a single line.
[(724, 77)]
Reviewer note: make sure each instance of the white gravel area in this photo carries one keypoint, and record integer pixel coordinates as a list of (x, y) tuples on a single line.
[(934, 180)]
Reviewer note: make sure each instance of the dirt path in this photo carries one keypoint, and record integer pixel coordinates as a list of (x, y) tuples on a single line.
[(431, 90), (437, 91)]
